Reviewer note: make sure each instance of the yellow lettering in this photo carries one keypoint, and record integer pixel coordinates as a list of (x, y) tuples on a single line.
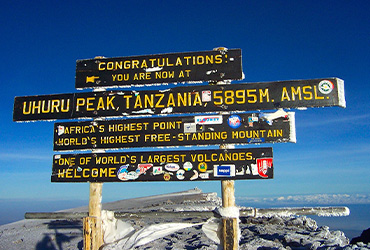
[(89, 104), (100, 104), (307, 91), (79, 102), (158, 103), (197, 100), (264, 93), (26, 112), (316, 96), (285, 95), (143, 64), (178, 61), (218, 59), (171, 101), (296, 92)]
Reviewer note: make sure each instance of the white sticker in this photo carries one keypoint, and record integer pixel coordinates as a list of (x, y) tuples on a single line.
[(180, 174), (190, 128), (326, 86), (61, 130), (157, 170), (204, 175), (132, 175), (254, 169), (240, 172), (195, 176), (173, 167), (208, 119), (206, 96), (188, 166)]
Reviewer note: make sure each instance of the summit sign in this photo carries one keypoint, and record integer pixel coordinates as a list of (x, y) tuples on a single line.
[(215, 65), (190, 99)]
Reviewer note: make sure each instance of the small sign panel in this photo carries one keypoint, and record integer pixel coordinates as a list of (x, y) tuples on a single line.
[(250, 128), (191, 99), (215, 65), (204, 165)]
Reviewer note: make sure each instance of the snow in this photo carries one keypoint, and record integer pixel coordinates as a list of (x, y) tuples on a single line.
[(269, 231)]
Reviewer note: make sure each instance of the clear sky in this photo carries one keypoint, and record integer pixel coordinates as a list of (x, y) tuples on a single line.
[(280, 40)]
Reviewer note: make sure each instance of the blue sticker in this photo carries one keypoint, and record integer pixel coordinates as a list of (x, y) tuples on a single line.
[(223, 170), (256, 140), (234, 121)]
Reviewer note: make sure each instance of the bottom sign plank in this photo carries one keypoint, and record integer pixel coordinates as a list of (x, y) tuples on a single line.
[(187, 165)]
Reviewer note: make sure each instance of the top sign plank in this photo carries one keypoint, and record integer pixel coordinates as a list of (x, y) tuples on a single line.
[(191, 99), (215, 65)]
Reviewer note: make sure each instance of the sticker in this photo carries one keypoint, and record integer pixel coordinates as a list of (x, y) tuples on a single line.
[(142, 168), (202, 167), (256, 140), (122, 172), (204, 175), (252, 119), (157, 170), (173, 167), (166, 176), (190, 128), (248, 171), (180, 174), (240, 172), (224, 170), (207, 120), (188, 166), (132, 175), (206, 96), (263, 164), (270, 117), (234, 121), (254, 169), (61, 130), (195, 176), (325, 87), (57, 156)]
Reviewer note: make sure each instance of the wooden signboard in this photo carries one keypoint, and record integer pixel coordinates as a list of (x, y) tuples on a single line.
[(250, 128), (215, 65), (191, 99), (194, 165)]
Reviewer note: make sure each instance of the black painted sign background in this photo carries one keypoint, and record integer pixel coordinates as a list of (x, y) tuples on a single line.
[(191, 99), (249, 128), (215, 65), (204, 165)]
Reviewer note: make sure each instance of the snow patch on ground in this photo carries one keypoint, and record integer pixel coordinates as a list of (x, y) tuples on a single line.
[(266, 232)]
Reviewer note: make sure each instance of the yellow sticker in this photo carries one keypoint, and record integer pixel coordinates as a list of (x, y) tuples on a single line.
[(202, 167)]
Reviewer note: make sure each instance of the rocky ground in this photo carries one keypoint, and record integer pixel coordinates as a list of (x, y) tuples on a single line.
[(273, 232)]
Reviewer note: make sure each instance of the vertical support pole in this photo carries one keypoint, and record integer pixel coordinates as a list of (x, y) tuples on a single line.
[(230, 239), (93, 234), (230, 226), (93, 231)]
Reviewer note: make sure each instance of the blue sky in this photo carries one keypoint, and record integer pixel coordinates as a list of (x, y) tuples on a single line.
[(280, 40)]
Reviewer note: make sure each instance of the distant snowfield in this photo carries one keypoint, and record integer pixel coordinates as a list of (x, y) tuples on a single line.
[(273, 232), (311, 199)]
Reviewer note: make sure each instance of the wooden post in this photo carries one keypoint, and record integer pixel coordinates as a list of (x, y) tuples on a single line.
[(93, 234), (230, 239), (230, 226)]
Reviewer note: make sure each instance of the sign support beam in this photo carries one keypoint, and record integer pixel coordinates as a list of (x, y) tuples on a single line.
[(230, 226), (93, 235), (94, 220)]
